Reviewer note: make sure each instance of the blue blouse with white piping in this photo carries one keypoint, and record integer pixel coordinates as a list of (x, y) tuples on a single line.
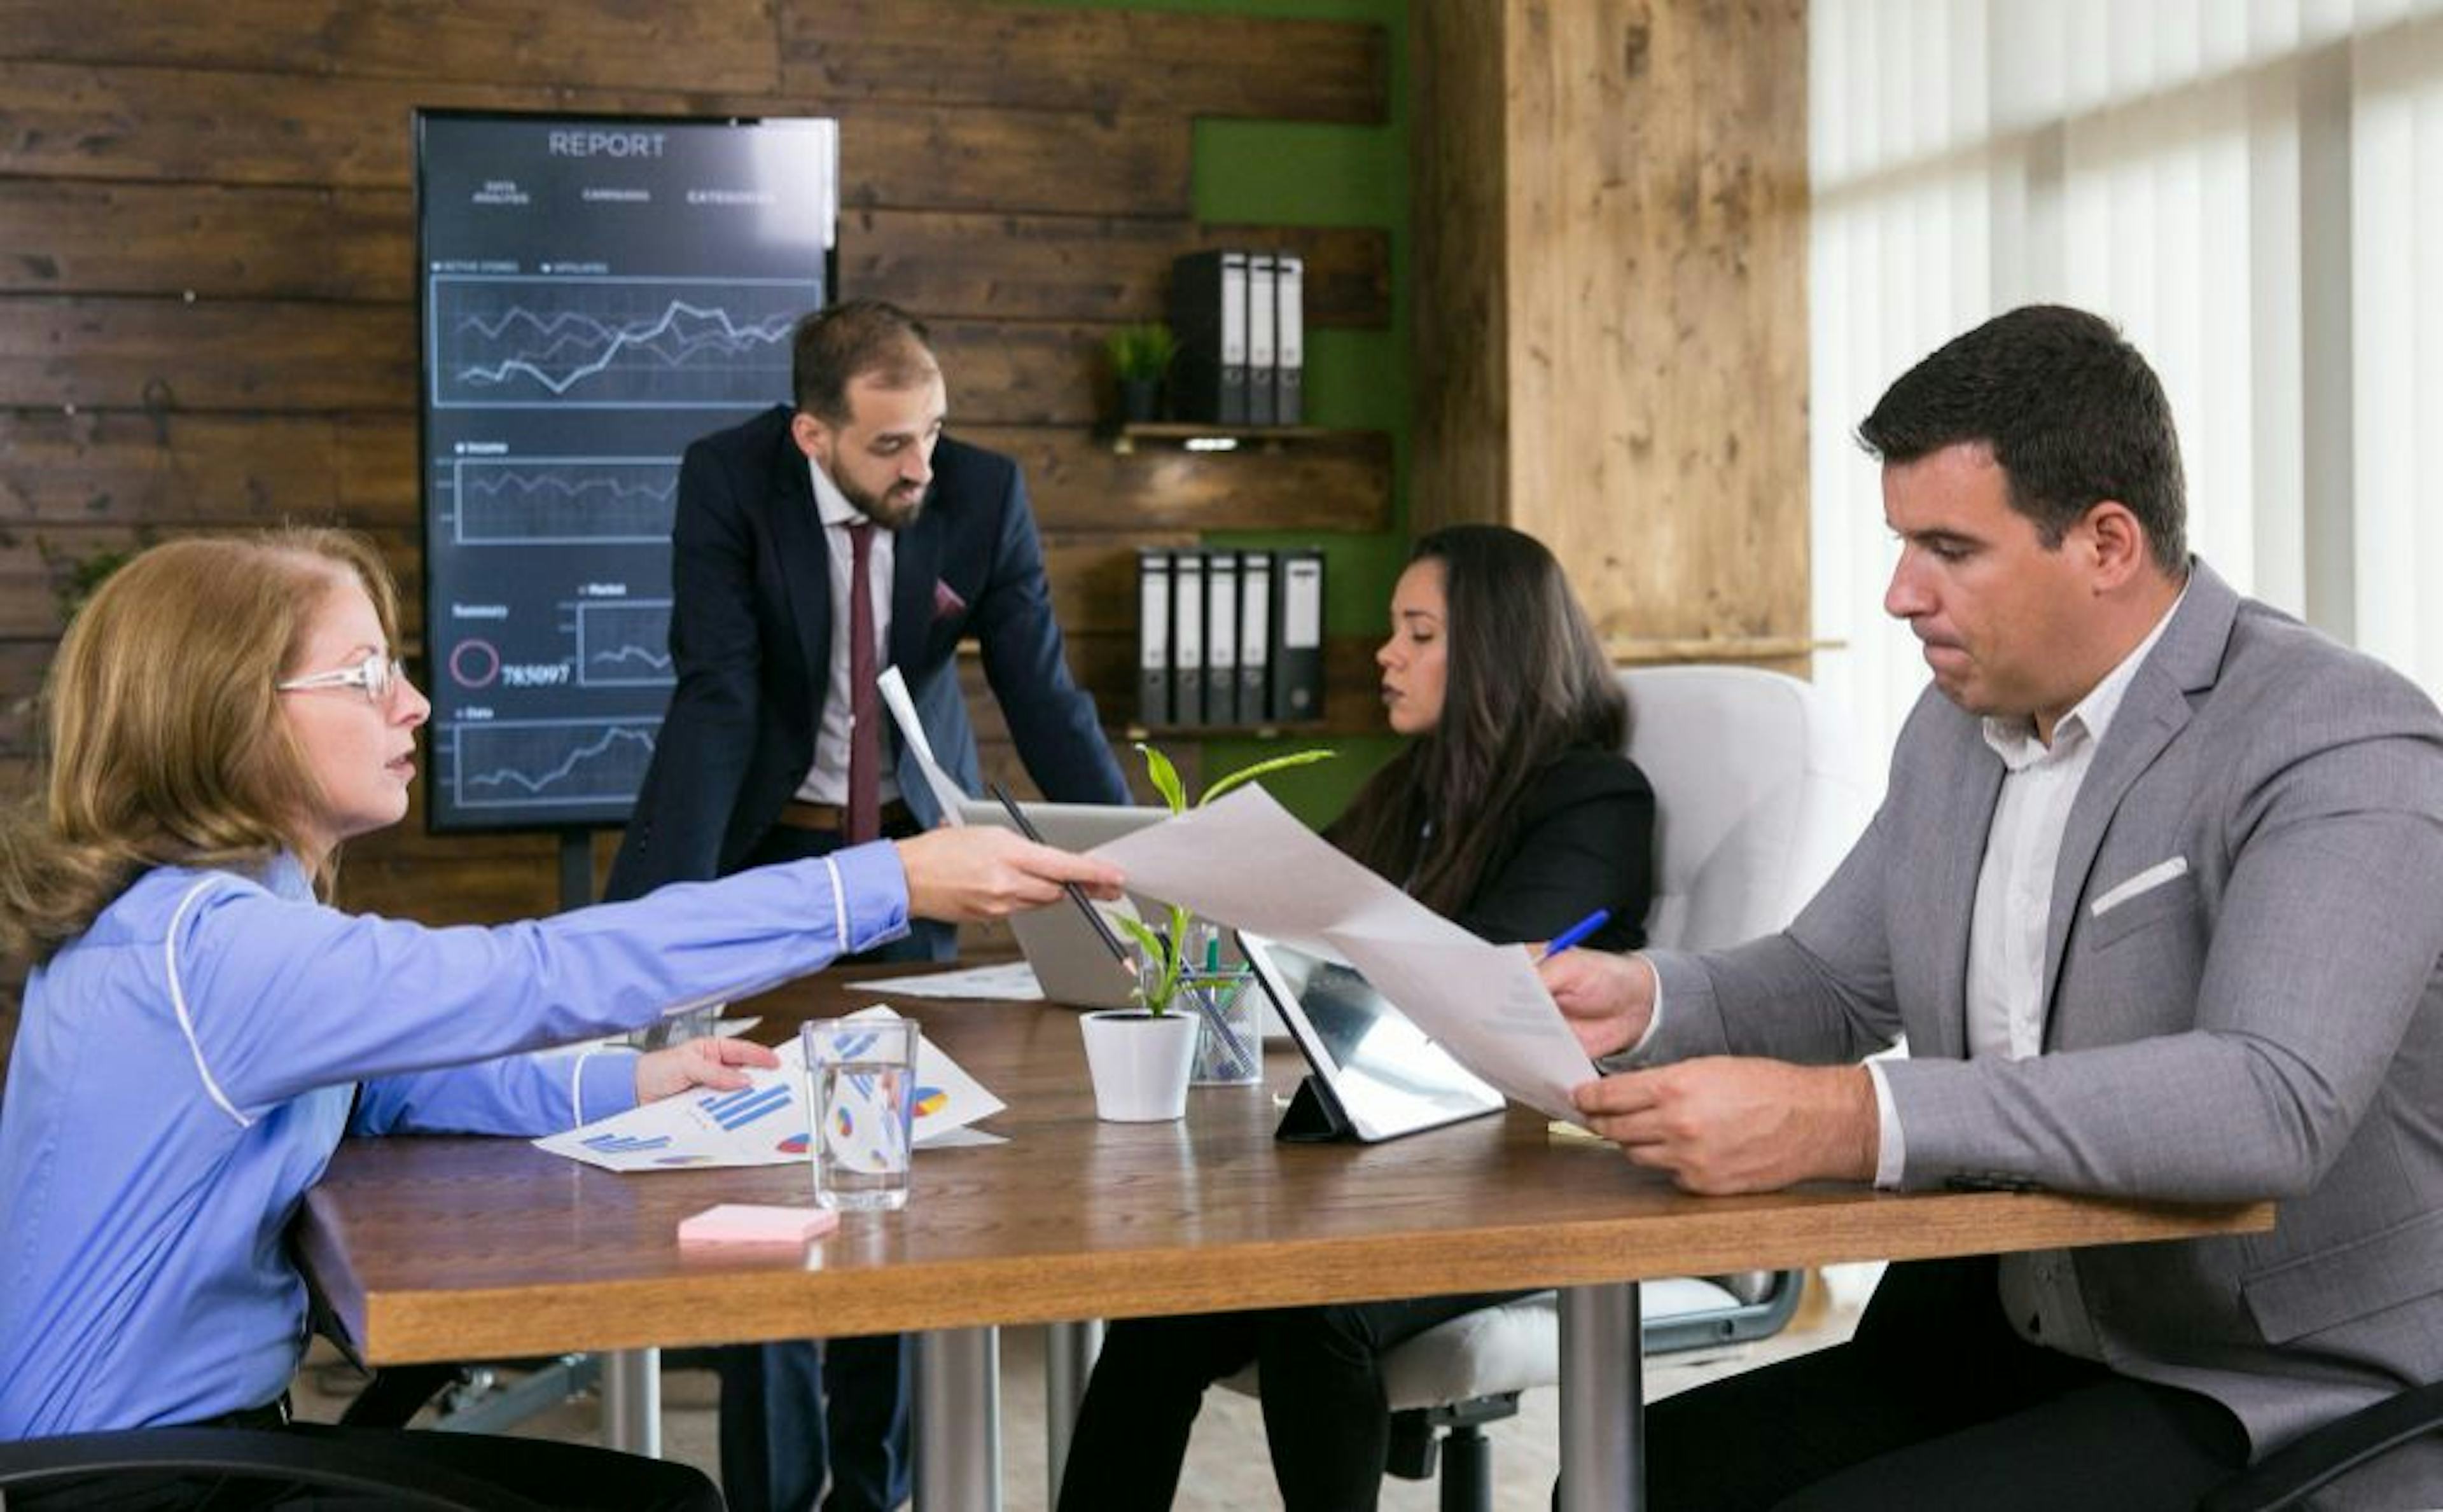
[(184, 1069)]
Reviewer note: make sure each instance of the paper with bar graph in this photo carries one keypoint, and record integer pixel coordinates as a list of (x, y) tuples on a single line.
[(764, 1122)]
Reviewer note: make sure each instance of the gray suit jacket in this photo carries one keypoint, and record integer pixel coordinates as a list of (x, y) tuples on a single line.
[(2267, 1023)]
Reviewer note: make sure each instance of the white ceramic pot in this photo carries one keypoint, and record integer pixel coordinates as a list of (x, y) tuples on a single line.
[(1139, 1063)]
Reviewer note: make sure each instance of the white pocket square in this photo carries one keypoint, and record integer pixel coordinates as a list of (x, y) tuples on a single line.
[(2147, 881)]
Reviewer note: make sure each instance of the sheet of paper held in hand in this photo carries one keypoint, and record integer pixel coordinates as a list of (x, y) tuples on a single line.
[(903, 713), (1247, 862), (764, 1122)]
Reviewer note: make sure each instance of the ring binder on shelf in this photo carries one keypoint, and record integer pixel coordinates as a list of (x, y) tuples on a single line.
[(1289, 341), (1209, 315), (1221, 638), (1153, 637), (1255, 637), (1188, 638), (1263, 327), (1298, 636)]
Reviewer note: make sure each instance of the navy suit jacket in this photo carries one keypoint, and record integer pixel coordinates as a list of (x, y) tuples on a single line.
[(751, 637)]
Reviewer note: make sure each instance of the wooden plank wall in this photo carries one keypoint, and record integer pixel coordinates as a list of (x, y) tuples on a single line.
[(1612, 338), (207, 297)]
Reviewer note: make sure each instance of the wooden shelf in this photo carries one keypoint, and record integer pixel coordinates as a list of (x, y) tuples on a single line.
[(1306, 730), (1623, 651), (1123, 439)]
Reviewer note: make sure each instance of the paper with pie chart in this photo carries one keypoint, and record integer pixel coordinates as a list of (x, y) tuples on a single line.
[(766, 1121)]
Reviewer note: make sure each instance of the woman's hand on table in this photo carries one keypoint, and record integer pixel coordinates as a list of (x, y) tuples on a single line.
[(713, 1062)]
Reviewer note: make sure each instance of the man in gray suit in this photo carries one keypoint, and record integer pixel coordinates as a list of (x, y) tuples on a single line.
[(2155, 895)]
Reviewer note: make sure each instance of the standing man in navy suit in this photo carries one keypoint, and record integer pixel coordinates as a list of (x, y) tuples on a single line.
[(776, 747)]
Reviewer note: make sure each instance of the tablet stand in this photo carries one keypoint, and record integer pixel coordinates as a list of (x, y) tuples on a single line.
[(1313, 1116)]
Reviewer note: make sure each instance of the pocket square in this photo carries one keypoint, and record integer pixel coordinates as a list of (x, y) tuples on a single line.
[(947, 601), (2147, 881)]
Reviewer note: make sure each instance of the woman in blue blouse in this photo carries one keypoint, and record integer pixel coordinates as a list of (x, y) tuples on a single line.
[(200, 1029)]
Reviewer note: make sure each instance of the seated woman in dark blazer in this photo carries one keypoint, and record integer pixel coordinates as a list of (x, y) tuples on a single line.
[(1511, 811)]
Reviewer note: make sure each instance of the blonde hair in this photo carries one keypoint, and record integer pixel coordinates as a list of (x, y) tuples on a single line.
[(165, 746)]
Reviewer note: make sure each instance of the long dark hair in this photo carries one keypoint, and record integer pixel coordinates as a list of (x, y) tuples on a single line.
[(1524, 681)]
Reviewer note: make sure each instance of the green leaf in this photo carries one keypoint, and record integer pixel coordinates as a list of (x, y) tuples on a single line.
[(1176, 957), (1165, 777), (1146, 939), (1245, 775), (1156, 954)]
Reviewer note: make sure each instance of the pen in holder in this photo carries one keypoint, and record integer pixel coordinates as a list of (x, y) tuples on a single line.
[(1229, 1041)]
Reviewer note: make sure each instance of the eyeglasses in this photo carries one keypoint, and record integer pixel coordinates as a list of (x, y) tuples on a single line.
[(378, 675)]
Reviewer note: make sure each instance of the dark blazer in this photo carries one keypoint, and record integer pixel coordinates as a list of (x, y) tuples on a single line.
[(1584, 840), (750, 635)]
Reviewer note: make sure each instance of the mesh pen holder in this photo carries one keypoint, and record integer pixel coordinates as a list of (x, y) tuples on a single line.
[(1229, 1038)]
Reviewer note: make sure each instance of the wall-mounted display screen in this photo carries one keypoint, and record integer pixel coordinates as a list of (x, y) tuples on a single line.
[(596, 293)]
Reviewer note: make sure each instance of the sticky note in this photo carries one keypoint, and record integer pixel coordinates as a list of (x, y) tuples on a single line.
[(736, 1223)]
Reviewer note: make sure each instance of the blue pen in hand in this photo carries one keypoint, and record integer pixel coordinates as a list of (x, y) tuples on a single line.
[(1575, 932)]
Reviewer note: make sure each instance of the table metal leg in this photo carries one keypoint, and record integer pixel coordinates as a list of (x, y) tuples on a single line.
[(631, 1401), (958, 1420), (1069, 1351), (1603, 1411)]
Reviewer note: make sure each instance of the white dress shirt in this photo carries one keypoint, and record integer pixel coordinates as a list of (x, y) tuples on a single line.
[(827, 779), (2005, 957)]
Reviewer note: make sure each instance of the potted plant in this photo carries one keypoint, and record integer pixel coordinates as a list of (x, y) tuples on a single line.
[(1140, 1058), (1140, 359)]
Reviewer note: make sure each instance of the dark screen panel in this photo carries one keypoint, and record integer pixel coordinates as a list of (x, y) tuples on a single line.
[(596, 293)]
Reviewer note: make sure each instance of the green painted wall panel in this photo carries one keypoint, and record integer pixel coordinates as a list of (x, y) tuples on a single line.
[(1301, 174)]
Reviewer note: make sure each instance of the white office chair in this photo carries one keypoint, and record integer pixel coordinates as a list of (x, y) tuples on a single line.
[(1758, 793)]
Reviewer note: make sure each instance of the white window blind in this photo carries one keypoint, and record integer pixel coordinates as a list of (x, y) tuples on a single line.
[(2251, 188)]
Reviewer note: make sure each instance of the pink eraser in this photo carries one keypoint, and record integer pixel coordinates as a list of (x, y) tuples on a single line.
[(737, 1223)]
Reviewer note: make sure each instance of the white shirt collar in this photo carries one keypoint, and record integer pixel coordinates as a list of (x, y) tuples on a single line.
[(831, 506), (2015, 738)]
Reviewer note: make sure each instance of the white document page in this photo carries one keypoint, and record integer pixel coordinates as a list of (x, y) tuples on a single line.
[(766, 1121), (1247, 862), (1485, 1005), (903, 713), (1014, 980)]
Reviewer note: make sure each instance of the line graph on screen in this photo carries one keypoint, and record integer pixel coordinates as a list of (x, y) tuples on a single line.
[(515, 342)]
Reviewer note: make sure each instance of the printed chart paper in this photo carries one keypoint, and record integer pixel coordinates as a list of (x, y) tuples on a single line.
[(766, 1121)]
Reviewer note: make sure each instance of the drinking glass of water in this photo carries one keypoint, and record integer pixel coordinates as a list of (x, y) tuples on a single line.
[(861, 1088)]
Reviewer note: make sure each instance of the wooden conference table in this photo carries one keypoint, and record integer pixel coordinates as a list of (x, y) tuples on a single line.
[(469, 1248)]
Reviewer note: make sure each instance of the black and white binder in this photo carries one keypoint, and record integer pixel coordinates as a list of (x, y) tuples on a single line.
[(1289, 340), (1298, 636), (1221, 638), (1208, 316), (1188, 638), (1153, 637), (1255, 637), (1263, 287)]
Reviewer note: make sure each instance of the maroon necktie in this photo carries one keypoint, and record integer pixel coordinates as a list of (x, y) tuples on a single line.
[(864, 696)]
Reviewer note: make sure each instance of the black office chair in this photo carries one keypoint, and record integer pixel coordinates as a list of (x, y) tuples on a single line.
[(299, 1456), (2304, 1466)]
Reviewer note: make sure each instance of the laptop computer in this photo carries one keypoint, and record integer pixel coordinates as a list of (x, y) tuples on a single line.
[(1071, 962)]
